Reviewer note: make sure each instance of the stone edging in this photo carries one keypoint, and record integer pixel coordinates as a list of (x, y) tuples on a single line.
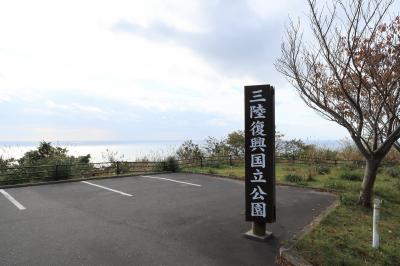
[(289, 257)]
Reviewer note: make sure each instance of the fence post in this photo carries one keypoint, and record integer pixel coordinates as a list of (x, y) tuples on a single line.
[(118, 169), (56, 173), (230, 160), (201, 162), (375, 223)]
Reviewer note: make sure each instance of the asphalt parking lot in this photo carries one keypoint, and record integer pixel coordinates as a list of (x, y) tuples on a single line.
[(169, 219)]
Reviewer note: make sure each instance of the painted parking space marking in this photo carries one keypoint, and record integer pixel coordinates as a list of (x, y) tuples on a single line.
[(172, 180), (13, 201), (110, 189)]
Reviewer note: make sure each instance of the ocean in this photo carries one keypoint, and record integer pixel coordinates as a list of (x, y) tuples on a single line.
[(99, 150)]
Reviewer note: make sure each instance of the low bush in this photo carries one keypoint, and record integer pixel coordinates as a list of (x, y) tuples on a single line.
[(293, 178), (121, 167), (170, 164), (11, 180), (351, 175), (62, 171)]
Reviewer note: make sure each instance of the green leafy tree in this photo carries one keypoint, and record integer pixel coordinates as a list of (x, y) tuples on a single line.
[(45, 153), (5, 163), (235, 142), (54, 162), (189, 150), (294, 148)]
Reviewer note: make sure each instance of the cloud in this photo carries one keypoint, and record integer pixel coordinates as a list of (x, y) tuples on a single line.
[(138, 69), (78, 108), (236, 37), (5, 98)]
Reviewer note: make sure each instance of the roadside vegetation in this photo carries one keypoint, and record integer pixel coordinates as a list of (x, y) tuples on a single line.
[(52, 163), (44, 163)]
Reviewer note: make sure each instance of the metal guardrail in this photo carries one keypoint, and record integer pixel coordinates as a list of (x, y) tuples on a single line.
[(31, 174)]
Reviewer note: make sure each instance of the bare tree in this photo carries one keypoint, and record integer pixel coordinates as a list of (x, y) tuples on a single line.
[(350, 74)]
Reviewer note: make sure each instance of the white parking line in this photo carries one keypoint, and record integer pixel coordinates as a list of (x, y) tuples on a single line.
[(110, 189), (172, 180), (14, 201)]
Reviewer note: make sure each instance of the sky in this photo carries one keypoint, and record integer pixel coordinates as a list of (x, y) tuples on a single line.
[(144, 70)]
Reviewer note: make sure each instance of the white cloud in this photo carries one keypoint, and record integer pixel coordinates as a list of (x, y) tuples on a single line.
[(5, 98), (277, 9), (77, 108), (50, 48)]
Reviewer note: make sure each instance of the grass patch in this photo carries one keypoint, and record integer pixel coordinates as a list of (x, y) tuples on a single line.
[(351, 175), (345, 236), (393, 171)]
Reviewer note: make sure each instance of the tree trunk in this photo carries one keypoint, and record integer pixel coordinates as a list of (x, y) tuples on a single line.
[(397, 146), (371, 169)]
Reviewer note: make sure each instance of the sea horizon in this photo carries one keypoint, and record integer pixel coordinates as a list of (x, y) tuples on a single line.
[(99, 150), (128, 150)]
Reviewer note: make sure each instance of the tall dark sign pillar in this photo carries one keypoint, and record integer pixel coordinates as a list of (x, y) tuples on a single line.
[(260, 158)]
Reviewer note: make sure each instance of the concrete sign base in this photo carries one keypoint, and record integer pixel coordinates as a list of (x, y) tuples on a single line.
[(251, 235)]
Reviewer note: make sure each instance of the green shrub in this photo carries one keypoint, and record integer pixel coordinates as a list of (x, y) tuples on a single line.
[(170, 164), (121, 167), (60, 172), (10, 180), (293, 178), (47, 162), (350, 166), (351, 175)]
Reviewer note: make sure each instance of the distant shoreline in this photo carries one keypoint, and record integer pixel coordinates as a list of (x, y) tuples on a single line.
[(125, 150), (86, 143), (324, 143)]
